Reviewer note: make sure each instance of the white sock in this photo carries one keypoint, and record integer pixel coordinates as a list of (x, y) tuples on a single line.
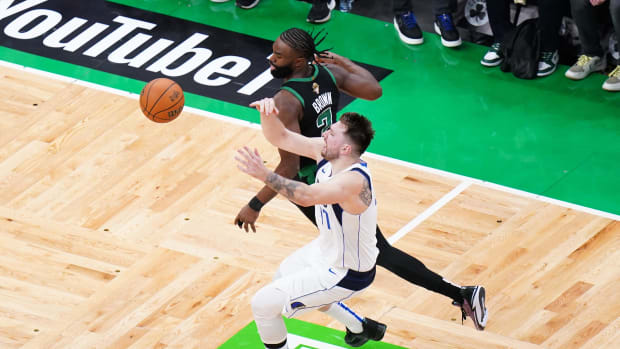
[(342, 313)]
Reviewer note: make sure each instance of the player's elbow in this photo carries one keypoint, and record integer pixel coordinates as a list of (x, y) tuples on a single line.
[(306, 200), (376, 92)]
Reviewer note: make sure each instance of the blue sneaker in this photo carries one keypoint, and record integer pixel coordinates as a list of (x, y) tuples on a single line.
[(408, 29), (444, 26)]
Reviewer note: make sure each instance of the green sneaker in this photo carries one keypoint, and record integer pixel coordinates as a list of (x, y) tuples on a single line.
[(548, 63), (493, 57)]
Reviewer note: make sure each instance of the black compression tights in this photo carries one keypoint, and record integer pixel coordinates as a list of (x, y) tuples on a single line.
[(404, 265)]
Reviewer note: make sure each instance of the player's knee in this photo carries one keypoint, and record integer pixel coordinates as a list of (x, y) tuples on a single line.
[(268, 302)]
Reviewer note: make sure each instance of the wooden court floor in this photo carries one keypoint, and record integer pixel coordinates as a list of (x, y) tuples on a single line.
[(117, 232)]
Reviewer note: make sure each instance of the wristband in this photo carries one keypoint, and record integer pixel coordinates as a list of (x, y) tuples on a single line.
[(255, 204)]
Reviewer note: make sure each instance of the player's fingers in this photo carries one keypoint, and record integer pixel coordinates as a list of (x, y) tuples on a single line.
[(245, 226), (253, 227)]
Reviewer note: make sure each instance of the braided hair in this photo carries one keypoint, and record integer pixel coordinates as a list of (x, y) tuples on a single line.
[(305, 42)]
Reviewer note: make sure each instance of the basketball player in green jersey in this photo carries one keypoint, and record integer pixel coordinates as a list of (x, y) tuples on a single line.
[(307, 102)]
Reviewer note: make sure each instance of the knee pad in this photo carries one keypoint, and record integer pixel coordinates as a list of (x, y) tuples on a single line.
[(268, 302)]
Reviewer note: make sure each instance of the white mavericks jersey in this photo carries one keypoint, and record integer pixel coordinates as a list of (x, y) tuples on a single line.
[(347, 240)]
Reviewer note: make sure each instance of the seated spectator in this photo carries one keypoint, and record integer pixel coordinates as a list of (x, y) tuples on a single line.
[(550, 19), (593, 58), (409, 31)]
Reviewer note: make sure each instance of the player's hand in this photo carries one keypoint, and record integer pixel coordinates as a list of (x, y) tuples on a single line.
[(329, 57), (597, 2), (266, 106), (245, 217), (251, 163)]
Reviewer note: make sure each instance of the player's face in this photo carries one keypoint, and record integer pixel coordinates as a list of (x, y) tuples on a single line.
[(282, 61), (335, 142)]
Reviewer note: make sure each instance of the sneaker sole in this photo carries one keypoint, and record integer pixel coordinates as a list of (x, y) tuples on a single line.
[(581, 76), (479, 293), (547, 73), (611, 88), (493, 64), (406, 39), (445, 42), (252, 5)]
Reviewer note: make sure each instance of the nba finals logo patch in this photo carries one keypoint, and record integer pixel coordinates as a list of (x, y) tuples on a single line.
[(301, 335), (315, 87)]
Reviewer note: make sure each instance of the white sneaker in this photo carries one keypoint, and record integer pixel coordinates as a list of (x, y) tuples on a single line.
[(584, 66), (613, 82), (219, 0)]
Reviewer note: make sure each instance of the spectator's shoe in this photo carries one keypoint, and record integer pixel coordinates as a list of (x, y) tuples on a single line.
[(584, 66), (346, 5), (247, 4), (372, 330), (321, 11), (473, 306), (408, 28), (613, 82), (493, 57), (444, 26), (548, 63)]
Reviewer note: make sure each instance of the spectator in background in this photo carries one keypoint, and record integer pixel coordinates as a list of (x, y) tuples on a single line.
[(585, 13), (549, 21), (320, 12), (409, 31)]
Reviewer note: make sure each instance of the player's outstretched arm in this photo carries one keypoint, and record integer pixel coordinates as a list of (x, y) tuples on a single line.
[(349, 189), (278, 135)]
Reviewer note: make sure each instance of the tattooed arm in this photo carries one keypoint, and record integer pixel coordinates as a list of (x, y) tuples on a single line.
[(349, 189)]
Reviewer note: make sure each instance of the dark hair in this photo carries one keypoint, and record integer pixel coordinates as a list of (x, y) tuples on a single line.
[(359, 130), (303, 42)]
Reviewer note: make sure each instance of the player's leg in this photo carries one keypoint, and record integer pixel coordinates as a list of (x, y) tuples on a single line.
[(359, 329), (267, 305), (318, 288), (470, 299), (413, 270)]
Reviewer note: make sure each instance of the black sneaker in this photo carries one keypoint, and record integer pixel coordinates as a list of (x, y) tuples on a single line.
[(247, 4), (408, 28), (444, 26), (371, 330), (473, 306), (321, 11)]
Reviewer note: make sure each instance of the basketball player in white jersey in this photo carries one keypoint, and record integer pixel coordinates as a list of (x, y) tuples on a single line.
[(340, 263)]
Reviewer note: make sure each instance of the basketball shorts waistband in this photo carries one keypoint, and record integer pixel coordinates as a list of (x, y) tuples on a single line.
[(358, 280)]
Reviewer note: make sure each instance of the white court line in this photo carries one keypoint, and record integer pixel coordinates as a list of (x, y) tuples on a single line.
[(428, 212), (371, 155)]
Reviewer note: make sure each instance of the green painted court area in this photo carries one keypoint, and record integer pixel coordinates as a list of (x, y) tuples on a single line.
[(304, 336)]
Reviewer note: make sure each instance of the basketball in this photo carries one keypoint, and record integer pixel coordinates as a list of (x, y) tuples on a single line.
[(162, 100)]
